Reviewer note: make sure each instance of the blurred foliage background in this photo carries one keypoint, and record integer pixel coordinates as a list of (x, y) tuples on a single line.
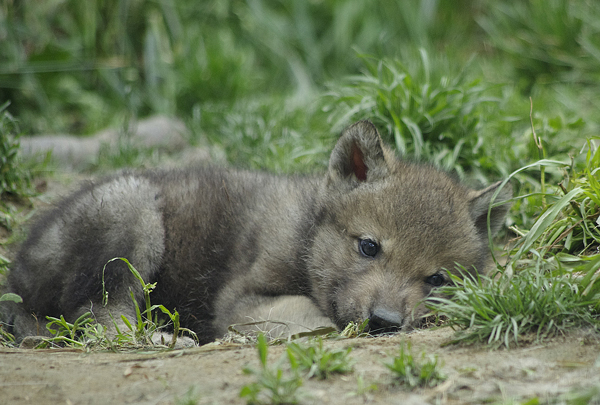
[(271, 83)]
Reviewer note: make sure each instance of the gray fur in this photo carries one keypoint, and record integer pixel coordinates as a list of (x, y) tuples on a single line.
[(227, 247)]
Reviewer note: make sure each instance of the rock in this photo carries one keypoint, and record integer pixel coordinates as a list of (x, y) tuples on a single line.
[(70, 150)]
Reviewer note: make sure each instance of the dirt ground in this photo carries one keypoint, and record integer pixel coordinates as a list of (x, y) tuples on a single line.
[(214, 373)]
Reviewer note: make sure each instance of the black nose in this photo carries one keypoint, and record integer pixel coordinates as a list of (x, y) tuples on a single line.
[(384, 321)]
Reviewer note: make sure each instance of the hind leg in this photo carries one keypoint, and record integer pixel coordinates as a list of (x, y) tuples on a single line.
[(59, 270)]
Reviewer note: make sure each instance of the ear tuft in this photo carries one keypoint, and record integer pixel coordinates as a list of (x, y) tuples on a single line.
[(358, 163)]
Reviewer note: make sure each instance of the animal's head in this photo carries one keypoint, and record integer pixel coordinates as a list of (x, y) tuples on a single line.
[(389, 230)]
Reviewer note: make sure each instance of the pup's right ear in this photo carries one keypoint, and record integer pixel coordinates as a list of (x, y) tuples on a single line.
[(479, 202), (358, 156)]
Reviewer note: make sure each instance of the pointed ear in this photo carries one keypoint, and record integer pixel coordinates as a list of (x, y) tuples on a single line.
[(480, 202), (358, 156)]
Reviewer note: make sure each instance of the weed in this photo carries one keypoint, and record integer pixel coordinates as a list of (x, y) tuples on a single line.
[(578, 396), (272, 386), (4, 263), (355, 329), (581, 396), (145, 325), (84, 332), (278, 386), (362, 388), (319, 362), (415, 373), (7, 339)]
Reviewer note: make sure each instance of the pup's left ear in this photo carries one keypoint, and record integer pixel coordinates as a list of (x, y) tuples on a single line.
[(480, 202), (358, 156)]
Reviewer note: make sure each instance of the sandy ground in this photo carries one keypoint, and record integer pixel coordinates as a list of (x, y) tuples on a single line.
[(214, 373)]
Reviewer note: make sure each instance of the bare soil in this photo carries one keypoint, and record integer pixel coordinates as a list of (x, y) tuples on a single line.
[(214, 373)]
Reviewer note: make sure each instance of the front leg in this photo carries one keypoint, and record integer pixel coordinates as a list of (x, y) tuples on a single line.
[(278, 317)]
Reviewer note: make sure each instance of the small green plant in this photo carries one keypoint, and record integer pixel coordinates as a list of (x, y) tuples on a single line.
[(319, 362), (273, 386), (355, 329), (577, 396), (146, 324), (407, 371), (362, 388), (84, 332), (7, 339)]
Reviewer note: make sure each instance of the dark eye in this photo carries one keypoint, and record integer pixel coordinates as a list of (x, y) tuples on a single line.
[(368, 247), (436, 280)]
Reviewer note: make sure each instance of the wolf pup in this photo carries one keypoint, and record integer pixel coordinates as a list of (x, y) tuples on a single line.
[(369, 240)]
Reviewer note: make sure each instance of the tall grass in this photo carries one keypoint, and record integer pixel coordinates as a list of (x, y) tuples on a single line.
[(546, 40), (549, 284), (73, 66), (431, 109)]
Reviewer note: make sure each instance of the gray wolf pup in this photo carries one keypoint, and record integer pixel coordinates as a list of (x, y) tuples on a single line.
[(370, 239)]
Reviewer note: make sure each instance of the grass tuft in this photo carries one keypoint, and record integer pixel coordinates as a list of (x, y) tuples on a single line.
[(319, 362), (411, 372), (272, 386), (431, 110), (549, 285)]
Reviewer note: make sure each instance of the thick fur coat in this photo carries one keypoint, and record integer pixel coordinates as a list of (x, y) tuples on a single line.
[(371, 239)]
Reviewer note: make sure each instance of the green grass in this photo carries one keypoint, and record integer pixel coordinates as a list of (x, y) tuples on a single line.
[(145, 325), (549, 284), (76, 68), (280, 381), (429, 108), (558, 43), (415, 372), (317, 361), (272, 385), (84, 332)]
